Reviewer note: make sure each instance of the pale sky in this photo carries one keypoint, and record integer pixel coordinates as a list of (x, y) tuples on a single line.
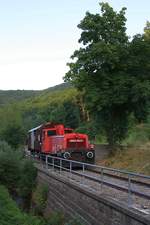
[(37, 37)]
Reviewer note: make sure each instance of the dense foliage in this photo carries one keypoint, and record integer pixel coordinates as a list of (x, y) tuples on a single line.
[(14, 134), (10, 214), (16, 173), (18, 176), (112, 71), (39, 199)]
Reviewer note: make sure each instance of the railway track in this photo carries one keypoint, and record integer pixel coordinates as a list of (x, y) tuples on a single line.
[(117, 176), (129, 188), (121, 184)]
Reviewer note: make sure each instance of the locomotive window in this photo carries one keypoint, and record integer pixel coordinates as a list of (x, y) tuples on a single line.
[(68, 131), (51, 132)]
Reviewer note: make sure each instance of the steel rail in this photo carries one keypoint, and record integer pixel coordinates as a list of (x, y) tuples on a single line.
[(112, 185), (141, 183), (57, 162)]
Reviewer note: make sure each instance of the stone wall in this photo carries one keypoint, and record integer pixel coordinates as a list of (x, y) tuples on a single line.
[(74, 201)]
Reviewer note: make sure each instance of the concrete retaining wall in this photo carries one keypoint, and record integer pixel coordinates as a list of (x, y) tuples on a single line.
[(92, 209)]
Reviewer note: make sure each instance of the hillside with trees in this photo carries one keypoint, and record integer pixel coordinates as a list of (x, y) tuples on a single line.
[(106, 95), (11, 96)]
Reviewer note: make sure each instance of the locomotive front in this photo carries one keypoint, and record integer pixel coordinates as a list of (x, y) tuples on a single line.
[(77, 147)]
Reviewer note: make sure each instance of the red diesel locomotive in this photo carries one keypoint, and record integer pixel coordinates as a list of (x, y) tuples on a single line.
[(56, 140)]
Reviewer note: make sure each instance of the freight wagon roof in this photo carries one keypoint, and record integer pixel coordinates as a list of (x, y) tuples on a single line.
[(35, 128), (46, 125)]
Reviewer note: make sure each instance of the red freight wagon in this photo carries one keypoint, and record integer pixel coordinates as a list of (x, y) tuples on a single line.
[(56, 140)]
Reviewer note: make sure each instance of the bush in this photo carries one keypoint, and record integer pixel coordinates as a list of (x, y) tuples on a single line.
[(4, 146), (10, 169), (17, 174), (138, 135), (10, 213), (28, 178), (56, 218), (14, 134), (27, 183), (39, 199)]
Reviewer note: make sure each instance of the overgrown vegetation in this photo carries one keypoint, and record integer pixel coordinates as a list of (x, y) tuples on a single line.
[(39, 199), (10, 214), (138, 135), (18, 176), (135, 159), (16, 173)]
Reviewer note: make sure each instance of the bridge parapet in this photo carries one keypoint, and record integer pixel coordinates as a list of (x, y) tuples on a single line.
[(93, 209)]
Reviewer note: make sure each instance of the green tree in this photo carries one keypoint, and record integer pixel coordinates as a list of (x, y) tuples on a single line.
[(138, 74), (147, 30), (14, 134), (104, 70), (66, 112), (4, 146), (10, 170), (27, 182), (16, 173), (72, 114)]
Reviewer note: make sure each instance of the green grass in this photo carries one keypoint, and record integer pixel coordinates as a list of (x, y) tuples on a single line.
[(138, 135), (135, 153), (135, 159)]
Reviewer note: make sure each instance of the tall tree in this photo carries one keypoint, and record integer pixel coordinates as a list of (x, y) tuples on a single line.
[(103, 69), (147, 30)]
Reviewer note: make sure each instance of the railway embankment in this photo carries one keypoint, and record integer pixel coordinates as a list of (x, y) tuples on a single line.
[(135, 158), (75, 200), (102, 152)]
